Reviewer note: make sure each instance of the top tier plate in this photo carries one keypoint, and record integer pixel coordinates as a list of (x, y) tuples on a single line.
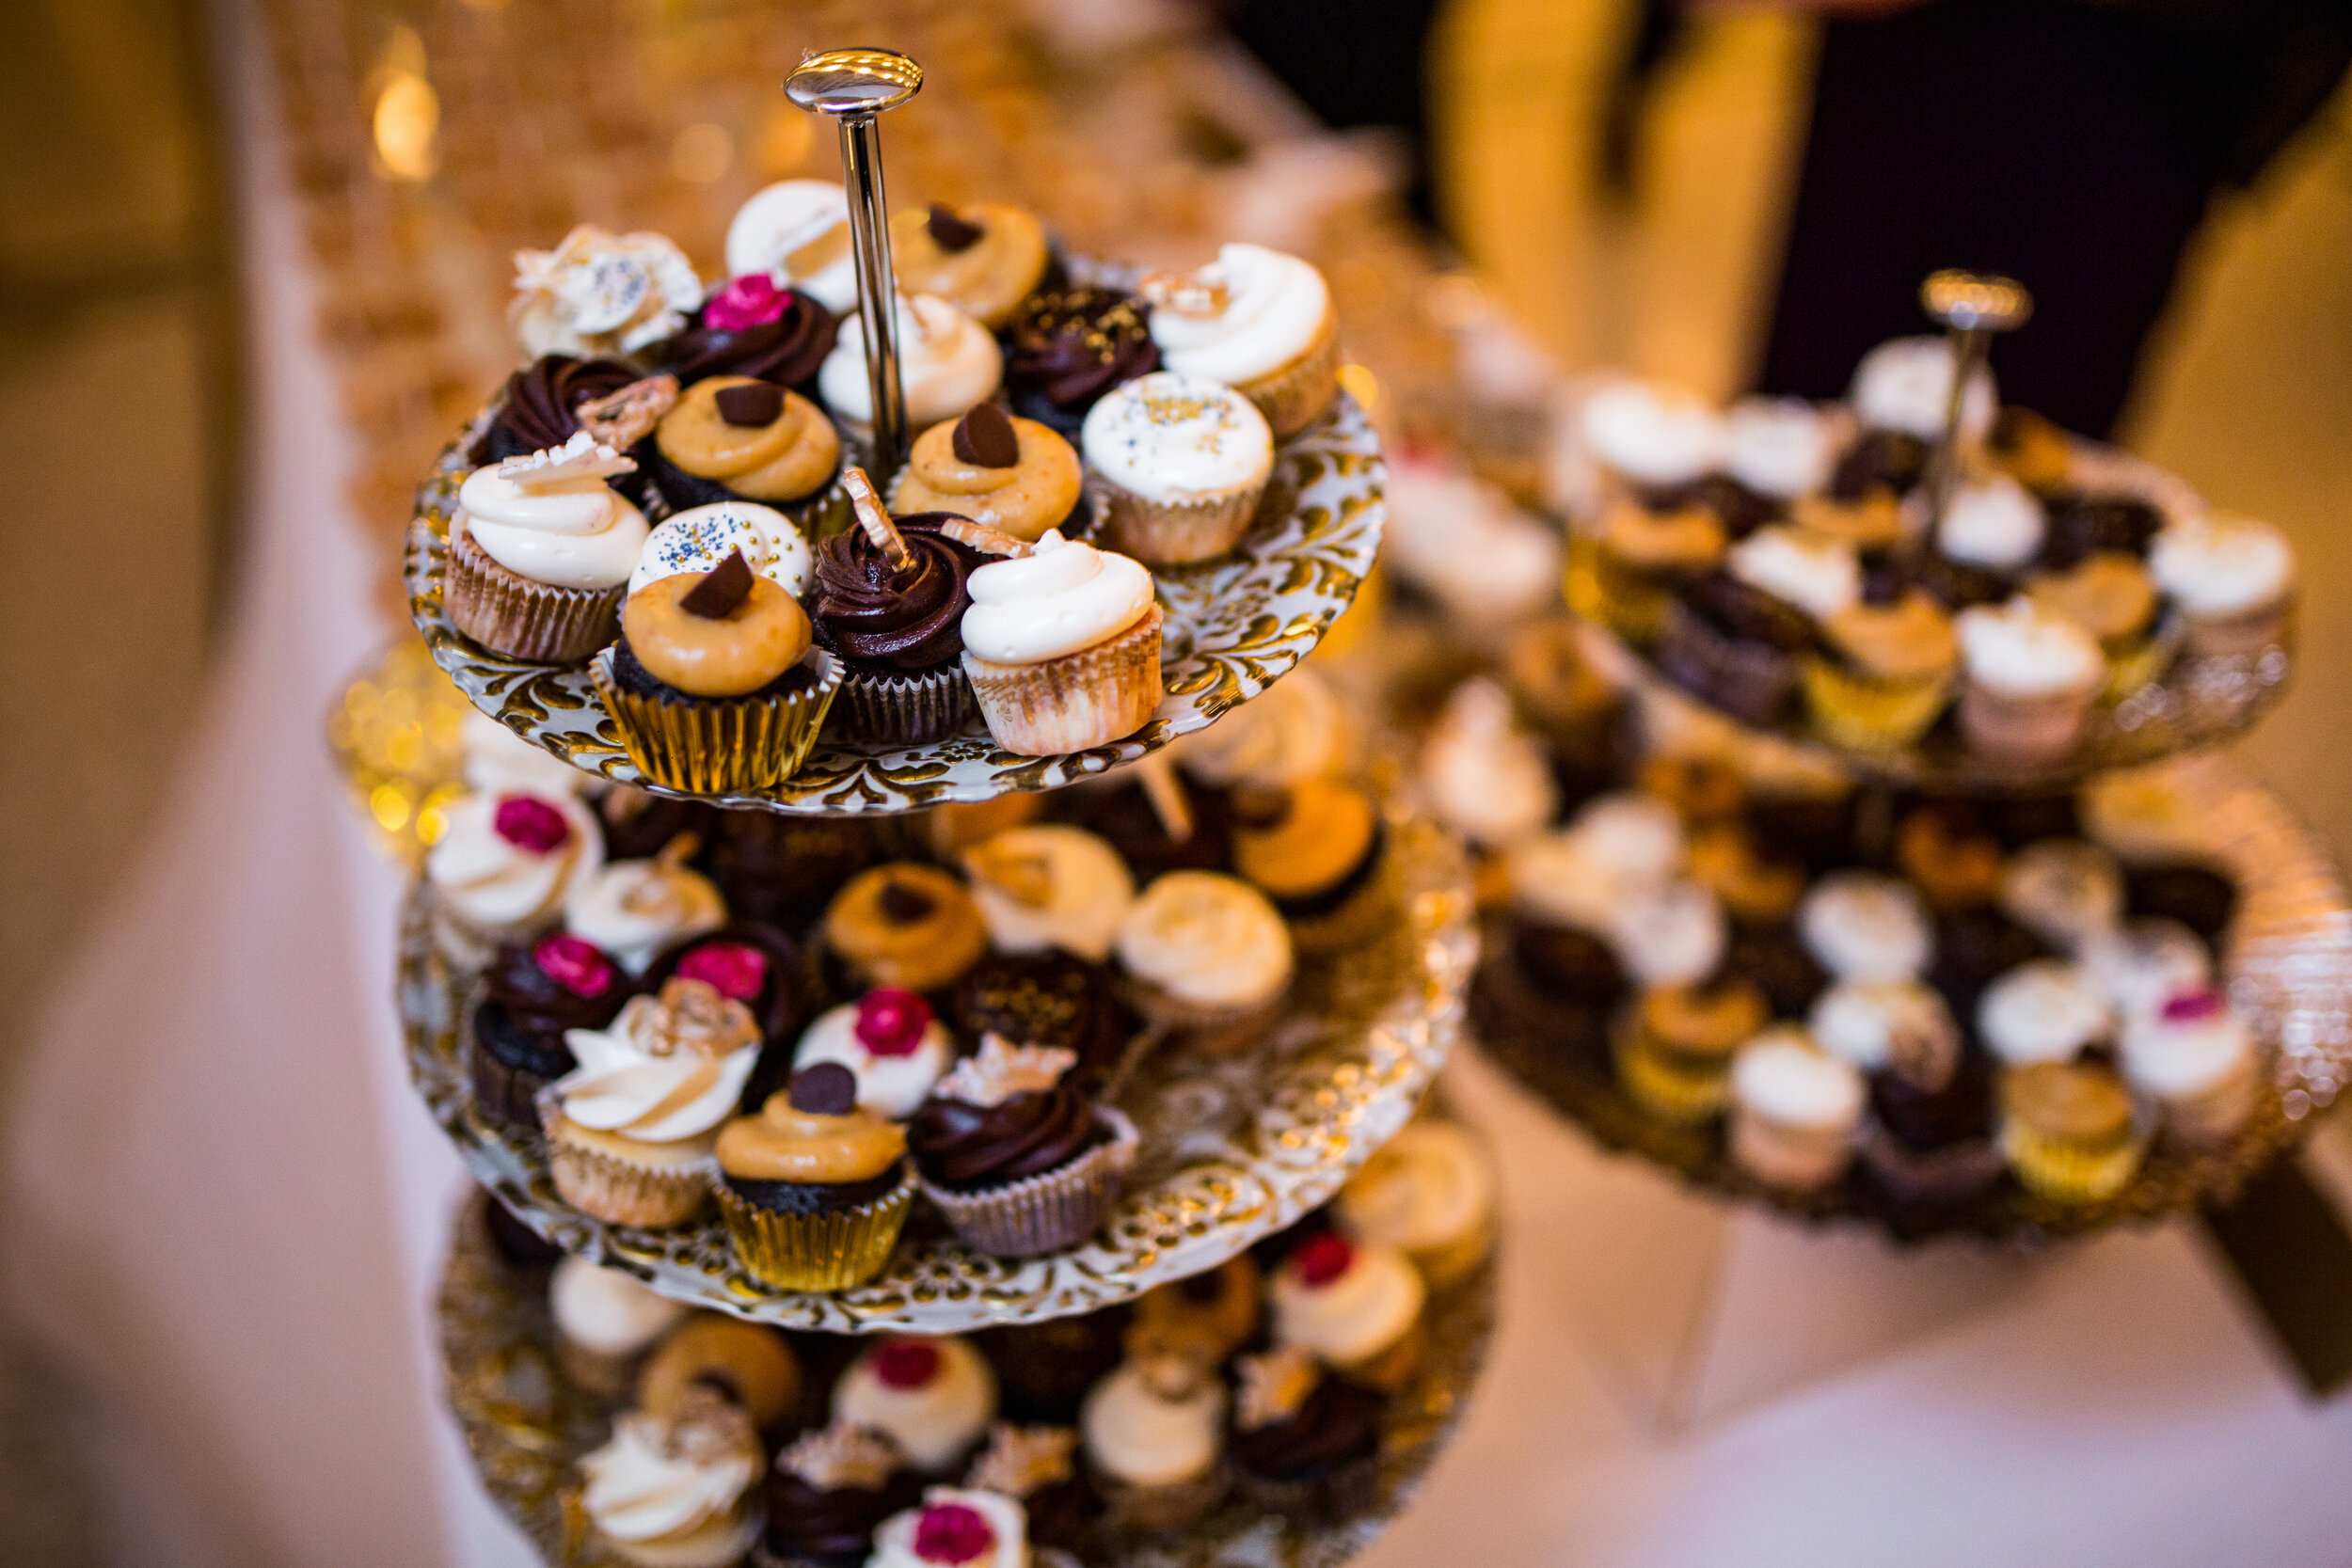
[(1234, 626)]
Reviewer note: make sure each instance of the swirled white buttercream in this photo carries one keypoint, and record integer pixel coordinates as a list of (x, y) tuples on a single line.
[(2221, 566), (1905, 383), (1652, 434), (1862, 926), (1461, 539), (1206, 938), (1063, 595), (889, 1087), (1669, 935), (946, 363), (1861, 1021), (575, 533), (654, 1479), (2176, 1058), (1779, 447), (1783, 1080), (1047, 886), (1294, 731), (1633, 838), (602, 293), (1372, 1303), (635, 1078), (1273, 306), (500, 762), (1428, 1187), (489, 880), (2043, 1010), (607, 1311), (1992, 523), (1178, 438), (1484, 777), (1007, 1527), (634, 909), (935, 1422), (1139, 1434), (1819, 575), (698, 539), (772, 231), (2025, 648)]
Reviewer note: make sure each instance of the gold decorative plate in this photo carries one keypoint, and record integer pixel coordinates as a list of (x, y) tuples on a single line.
[(527, 1424), (1233, 627), (2288, 970), (1234, 1149)]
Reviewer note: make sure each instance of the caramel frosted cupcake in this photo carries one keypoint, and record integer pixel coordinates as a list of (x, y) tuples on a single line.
[(2069, 1131), (540, 551), (1673, 1059), (2231, 579), (1070, 346), (2030, 449), (2031, 677), (946, 363), (2112, 596), (1182, 462), (984, 258), (1884, 674), (1062, 647), (1259, 321), (1316, 850), (1047, 886), (891, 596), (1625, 575), (1210, 958), (1019, 1161), (678, 1490), (732, 437), (814, 1189), (905, 924), (1013, 475), (1756, 887)]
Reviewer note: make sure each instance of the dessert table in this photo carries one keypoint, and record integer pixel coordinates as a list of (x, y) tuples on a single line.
[(227, 1212)]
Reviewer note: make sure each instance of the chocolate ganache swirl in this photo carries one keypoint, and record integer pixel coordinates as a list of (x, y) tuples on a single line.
[(966, 1147), (540, 398), (1070, 347), (787, 351), (909, 618), (525, 1010), (1338, 1422)]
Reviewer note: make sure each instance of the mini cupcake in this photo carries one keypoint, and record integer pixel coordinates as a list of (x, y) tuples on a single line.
[(1043, 1369), (796, 233), (1015, 476), (503, 867), (1062, 647), (946, 363), (633, 910), (1070, 346), (1260, 322), (1949, 855), (906, 926), (890, 1041), (985, 258), (1049, 886), (1206, 1317), (931, 1395), (630, 1130), (1624, 572), (540, 550), (1182, 462), (1669, 934), (1674, 1057), (715, 684), (2112, 596), (1305, 1445), (1050, 997), (1862, 927), (1154, 1432), (751, 1364), (605, 1323), (1430, 1191), (2030, 449), (1736, 636), (1461, 545), (1210, 959), (515, 1021), (2069, 1132), (1317, 850), (2031, 677), (1904, 386), (1652, 440), (1563, 919), (758, 966), (955, 1528), (2144, 963), (814, 1189), (1870, 1024), (829, 1491), (1992, 525), (697, 540), (754, 327), (2042, 1011), (1019, 1161), (1757, 886), (1778, 452), (1795, 1110), (1928, 1137), (677, 1492), (1357, 1308), (892, 593), (1482, 777), (1884, 674), (602, 293), (2065, 891), (1584, 720), (1036, 1466), (2196, 1061), (2231, 580), (732, 437)]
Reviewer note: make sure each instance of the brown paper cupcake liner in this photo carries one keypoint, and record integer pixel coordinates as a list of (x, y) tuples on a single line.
[(1044, 1214), (505, 1095), (1299, 394), (1175, 533), (614, 1189), (2038, 728), (508, 614), (815, 1252), (723, 744), (1748, 680), (902, 706), (1089, 698)]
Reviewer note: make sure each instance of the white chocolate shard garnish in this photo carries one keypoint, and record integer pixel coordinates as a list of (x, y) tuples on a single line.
[(981, 537), (1188, 293), (622, 418), (1003, 1069), (582, 457), (1274, 1386), (841, 1456), (1019, 1459), (875, 520)]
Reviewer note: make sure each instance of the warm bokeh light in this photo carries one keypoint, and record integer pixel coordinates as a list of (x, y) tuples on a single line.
[(407, 116), (786, 134), (1360, 384), (701, 153), (399, 734)]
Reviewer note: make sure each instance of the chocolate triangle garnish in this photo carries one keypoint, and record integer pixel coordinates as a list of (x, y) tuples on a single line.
[(827, 1089), (950, 232), (985, 439), (723, 588), (751, 404)]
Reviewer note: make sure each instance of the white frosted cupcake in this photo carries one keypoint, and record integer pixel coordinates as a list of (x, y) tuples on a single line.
[(1482, 776), (1430, 1194), (1905, 385), (2031, 676), (1862, 926), (1992, 523), (2142, 964), (934, 1396), (1357, 1307), (955, 1528), (600, 293), (1062, 647), (1259, 321), (500, 762), (1778, 448), (1461, 541), (1154, 1437), (946, 363), (1182, 461), (890, 1042), (503, 867), (1651, 437), (1048, 886), (677, 1491), (634, 909), (2197, 1060), (604, 1321), (1794, 1111), (1672, 934), (540, 553), (796, 233), (2230, 578), (1873, 1025), (2043, 1010), (2065, 891), (1210, 956), (1292, 732), (698, 539)]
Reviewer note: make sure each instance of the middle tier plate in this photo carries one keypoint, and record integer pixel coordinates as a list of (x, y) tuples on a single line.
[(1234, 1147)]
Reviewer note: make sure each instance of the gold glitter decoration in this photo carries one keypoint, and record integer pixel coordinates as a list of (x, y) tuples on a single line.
[(396, 733)]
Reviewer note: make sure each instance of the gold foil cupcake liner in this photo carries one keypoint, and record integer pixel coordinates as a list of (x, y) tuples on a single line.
[(815, 1252), (1175, 533), (1046, 1212), (1299, 394), (2066, 1174), (902, 706), (1663, 1087), (1871, 713), (723, 744), (1089, 698), (508, 614)]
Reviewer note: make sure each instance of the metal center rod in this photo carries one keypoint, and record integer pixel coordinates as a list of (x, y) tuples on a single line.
[(1968, 352), (877, 290)]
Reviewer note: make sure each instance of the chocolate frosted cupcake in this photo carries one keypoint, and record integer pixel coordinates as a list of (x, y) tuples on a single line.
[(1070, 346), (828, 1492), (1734, 646), (783, 869), (1044, 1370), (814, 1189), (542, 402), (1049, 998), (1036, 1466), (753, 328), (890, 600), (1021, 1162), (1305, 1445), (515, 1022)]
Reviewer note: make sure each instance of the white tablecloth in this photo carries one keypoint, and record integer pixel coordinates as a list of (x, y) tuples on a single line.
[(228, 1210)]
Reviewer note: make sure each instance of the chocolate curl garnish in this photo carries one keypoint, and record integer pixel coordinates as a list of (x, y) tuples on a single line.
[(1188, 293), (723, 587), (950, 232), (981, 537), (750, 405), (985, 439), (874, 519), (1158, 775), (622, 419)]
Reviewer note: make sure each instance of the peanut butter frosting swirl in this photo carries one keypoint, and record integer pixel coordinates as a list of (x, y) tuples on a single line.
[(2110, 595), (1023, 500), (1911, 638), (984, 259), (783, 1144), (1691, 538), (1321, 830), (787, 458)]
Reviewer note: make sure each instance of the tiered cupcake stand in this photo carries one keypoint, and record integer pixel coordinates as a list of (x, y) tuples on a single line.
[(1233, 1150)]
